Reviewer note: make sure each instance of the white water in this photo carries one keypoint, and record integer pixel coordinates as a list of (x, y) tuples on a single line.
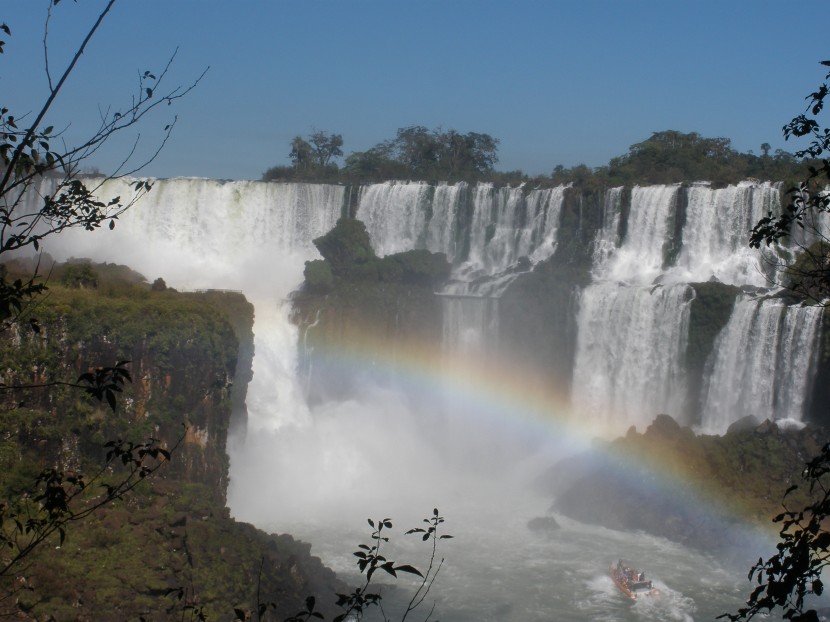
[(483, 230), (316, 474), (633, 320), (766, 376), (629, 350), (248, 236), (716, 235)]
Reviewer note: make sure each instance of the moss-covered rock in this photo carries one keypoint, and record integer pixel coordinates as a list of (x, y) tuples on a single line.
[(416, 267), (346, 247), (318, 276), (174, 530), (709, 313), (655, 481)]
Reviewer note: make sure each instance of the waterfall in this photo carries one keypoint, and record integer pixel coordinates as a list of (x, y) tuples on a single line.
[(608, 236), (716, 234), (630, 334), (503, 224), (247, 236), (630, 345), (762, 363), (484, 231), (470, 325), (640, 258), (632, 320)]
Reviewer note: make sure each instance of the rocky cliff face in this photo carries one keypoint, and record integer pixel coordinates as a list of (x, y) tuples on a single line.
[(182, 355), (189, 357), (352, 296), (708, 492)]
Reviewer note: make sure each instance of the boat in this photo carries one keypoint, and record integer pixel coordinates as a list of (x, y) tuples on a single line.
[(632, 582)]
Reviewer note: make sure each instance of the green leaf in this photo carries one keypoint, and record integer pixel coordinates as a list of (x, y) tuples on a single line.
[(409, 569)]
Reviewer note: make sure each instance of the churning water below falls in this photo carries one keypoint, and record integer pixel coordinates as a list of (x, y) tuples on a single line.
[(320, 473)]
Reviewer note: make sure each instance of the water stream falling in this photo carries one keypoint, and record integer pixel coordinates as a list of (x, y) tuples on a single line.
[(319, 473)]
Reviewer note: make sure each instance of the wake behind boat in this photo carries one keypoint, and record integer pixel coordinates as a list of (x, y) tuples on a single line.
[(631, 582)]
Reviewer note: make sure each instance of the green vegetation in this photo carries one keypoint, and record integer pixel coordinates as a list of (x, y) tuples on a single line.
[(353, 294), (794, 572), (744, 471), (348, 254), (447, 155), (174, 530), (415, 153)]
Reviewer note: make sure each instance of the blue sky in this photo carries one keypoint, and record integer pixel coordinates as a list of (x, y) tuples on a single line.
[(558, 82)]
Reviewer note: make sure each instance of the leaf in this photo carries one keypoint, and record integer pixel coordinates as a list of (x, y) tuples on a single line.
[(409, 569)]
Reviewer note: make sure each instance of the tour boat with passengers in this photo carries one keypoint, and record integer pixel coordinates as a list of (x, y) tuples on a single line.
[(631, 582)]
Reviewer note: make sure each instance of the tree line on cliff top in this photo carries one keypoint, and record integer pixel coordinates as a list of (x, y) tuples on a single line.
[(424, 154)]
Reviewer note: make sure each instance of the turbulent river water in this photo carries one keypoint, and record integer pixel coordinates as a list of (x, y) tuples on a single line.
[(499, 571)]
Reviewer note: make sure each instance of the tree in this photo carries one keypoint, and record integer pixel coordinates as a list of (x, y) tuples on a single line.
[(325, 147), (41, 194), (803, 219), (311, 158), (787, 579), (445, 155), (301, 154), (32, 166)]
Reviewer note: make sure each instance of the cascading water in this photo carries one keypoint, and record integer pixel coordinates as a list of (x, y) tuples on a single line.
[(641, 257), (630, 346), (761, 363), (716, 234), (247, 236), (631, 332), (483, 230), (319, 476), (632, 324)]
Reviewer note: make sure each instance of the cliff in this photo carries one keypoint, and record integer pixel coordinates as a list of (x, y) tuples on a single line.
[(189, 357), (708, 492), (354, 297)]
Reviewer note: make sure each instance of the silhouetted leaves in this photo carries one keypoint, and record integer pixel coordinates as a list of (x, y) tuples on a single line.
[(104, 382), (787, 578)]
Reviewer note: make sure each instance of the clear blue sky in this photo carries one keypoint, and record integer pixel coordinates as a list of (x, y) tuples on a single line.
[(557, 81)]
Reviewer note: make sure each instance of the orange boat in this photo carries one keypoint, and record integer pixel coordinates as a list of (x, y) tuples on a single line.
[(631, 582)]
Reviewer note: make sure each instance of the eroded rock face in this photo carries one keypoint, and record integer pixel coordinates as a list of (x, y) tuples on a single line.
[(352, 296), (128, 559), (698, 490)]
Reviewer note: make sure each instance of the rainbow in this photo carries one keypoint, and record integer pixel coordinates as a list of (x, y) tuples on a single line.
[(510, 399)]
